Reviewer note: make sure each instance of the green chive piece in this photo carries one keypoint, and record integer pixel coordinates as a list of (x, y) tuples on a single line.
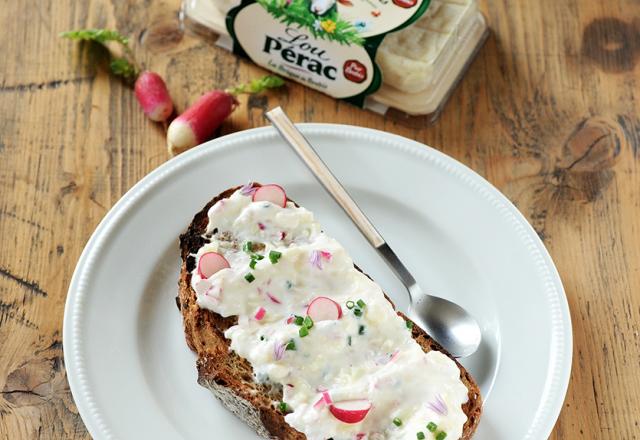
[(303, 332), (291, 345), (257, 256), (252, 263), (397, 421), (274, 256), (249, 277), (361, 330), (409, 324), (432, 427), (420, 435), (248, 247), (283, 407), (308, 322), (350, 305), (357, 312), (349, 341), (441, 435), (299, 320), (361, 304)]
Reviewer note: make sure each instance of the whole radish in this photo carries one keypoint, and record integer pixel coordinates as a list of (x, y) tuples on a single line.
[(153, 96), (200, 121), (150, 89)]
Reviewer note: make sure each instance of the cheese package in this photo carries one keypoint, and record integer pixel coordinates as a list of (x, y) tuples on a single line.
[(402, 54)]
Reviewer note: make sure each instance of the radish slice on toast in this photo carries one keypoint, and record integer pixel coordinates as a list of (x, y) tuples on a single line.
[(324, 309), (350, 411), (271, 193), (210, 263)]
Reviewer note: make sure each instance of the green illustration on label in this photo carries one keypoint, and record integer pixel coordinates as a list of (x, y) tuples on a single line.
[(319, 17)]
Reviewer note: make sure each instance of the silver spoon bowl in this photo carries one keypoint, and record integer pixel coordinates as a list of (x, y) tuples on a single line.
[(448, 323)]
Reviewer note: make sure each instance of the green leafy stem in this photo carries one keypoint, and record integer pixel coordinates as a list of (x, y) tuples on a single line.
[(124, 66), (258, 85)]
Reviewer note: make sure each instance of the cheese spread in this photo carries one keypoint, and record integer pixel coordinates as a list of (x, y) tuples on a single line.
[(279, 261)]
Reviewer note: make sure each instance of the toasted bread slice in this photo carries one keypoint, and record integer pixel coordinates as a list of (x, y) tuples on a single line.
[(230, 377)]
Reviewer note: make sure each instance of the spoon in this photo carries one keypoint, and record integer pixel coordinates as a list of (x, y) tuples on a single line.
[(448, 323)]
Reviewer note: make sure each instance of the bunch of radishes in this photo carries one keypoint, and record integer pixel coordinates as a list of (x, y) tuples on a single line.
[(196, 124), (199, 122)]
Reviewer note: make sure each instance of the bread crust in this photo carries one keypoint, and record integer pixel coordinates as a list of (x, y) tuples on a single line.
[(230, 377)]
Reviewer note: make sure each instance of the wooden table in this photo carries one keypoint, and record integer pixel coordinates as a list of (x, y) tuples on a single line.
[(549, 113)]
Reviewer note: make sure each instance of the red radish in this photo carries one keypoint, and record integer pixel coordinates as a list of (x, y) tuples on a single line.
[(153, 96), (325, 399), (260, 313), (198, 123), (290, 319), (273, 298), (350, 411), (210, 263), (324, 309), (271, 193)]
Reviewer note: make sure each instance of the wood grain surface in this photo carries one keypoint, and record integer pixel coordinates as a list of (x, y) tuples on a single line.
[(548, 112)]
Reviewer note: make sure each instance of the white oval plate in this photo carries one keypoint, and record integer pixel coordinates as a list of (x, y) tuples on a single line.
[(130, 371)]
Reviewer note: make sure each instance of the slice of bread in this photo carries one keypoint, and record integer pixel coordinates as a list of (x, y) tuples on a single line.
[(230, 377)]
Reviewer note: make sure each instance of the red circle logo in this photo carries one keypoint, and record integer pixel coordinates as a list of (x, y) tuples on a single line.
[(405, 3), (354, 71)]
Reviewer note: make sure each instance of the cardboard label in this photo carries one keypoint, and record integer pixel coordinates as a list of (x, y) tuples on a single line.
[(320, 43)]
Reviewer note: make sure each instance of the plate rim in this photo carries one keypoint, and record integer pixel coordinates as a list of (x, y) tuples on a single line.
[(558, 373)]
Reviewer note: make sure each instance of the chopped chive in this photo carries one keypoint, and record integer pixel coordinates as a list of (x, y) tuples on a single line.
[(432, 427), (303, 332), (349, 341), (420, 435), (247, 247), (350, 305), (308, 322), (283, 407), (257, 256), (291, 345), (361, 304), (252, 263), (299, 320), (397, 421), (361, 330), (249, 277), (274, 256), (409, 324), (441, 435), (357, 312)]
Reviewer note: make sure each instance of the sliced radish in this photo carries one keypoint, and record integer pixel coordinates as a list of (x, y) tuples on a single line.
[(273, 298), (324, 309), (350, 411), (271, 193), (325, 399), (260, 313), (210, 263)]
